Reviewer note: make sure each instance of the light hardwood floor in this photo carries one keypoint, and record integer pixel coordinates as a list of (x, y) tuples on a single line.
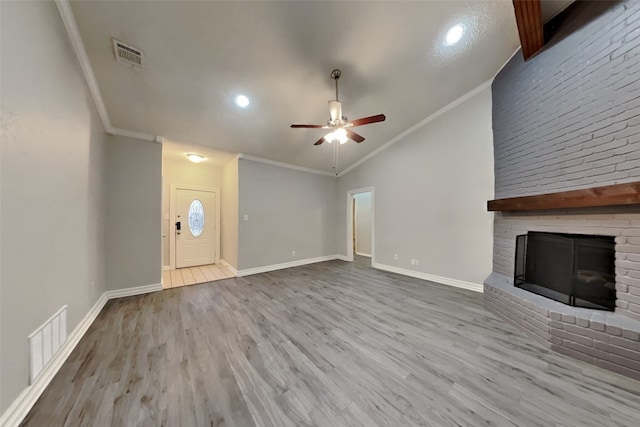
[(195, 275), (329, 344)]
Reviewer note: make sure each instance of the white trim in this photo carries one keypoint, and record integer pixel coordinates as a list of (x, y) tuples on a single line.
[(74, 34), (21, 406), (430, 118), (139, 290), (166, 268), (284, 165), (172, 220), (476, 287), (297, 263), (133, 134), (342, 257), (350, 195), (70, 24), (229, 266), (363, 254)]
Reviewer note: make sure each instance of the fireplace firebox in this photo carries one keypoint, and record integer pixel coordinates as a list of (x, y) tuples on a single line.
[(574, 269)]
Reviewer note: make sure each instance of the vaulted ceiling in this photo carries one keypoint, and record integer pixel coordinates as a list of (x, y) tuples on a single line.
[(200, 55)]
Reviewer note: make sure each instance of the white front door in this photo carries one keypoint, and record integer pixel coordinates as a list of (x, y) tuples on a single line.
[(195, 227)]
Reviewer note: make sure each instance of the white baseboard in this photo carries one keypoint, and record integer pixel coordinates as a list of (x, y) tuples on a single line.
[(297, 263), (127, 292), (21, 406), (363, 254), (166, 268), (477, 287), (229, 266), (342, 257)]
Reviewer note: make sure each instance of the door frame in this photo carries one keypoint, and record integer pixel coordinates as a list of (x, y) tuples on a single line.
[(172, 216), (350, 219)]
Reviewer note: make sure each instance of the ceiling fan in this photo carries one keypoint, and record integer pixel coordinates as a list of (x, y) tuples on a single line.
[(340, 126)]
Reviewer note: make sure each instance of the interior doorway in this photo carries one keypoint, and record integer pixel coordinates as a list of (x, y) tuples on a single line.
[(360, 223)]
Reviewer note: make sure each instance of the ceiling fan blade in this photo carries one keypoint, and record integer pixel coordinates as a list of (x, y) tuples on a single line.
[(308, 126), (357, 138), (367, 120), (320, 141)]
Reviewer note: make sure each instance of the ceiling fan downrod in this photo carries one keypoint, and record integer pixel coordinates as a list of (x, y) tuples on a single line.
[(335, 75)]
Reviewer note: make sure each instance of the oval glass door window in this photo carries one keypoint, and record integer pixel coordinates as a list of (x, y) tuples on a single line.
[(196, 218)]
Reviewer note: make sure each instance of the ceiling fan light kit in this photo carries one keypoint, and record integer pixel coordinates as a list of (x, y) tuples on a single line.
[(339, 124)]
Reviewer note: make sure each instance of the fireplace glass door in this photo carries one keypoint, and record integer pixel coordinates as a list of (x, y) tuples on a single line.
[(574, 269)]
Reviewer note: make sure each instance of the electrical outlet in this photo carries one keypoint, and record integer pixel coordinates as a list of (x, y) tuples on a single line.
[(395, 257), (246, 217), (413, 261), (293, 253)]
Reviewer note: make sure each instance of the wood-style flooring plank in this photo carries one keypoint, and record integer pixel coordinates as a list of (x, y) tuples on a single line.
[(329, 344)]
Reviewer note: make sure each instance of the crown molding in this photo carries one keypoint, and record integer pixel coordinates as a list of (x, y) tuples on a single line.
[(133, 134), (64, 8), (284, 165), (78, 46)]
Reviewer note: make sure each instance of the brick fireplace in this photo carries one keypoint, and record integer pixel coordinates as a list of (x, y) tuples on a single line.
[(569, 119)]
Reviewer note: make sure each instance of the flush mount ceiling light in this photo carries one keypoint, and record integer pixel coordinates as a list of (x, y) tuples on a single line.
[(454, 35), (195, 158), (242, 101)]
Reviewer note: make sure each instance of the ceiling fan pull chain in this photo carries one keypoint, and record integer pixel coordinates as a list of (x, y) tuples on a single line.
[(337, 158)]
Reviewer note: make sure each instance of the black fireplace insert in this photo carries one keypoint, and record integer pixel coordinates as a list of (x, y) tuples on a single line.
[(574, 269)]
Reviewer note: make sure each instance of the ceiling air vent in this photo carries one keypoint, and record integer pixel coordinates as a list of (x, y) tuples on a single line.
[(127, 54)]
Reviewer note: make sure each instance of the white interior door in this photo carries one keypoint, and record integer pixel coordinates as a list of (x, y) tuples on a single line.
[(195, 227)]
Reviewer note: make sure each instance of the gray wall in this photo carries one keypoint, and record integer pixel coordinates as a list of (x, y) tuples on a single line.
[(134, 206), (431, 190), (229, 213), (570, 117), (53, 185), (288, 210)]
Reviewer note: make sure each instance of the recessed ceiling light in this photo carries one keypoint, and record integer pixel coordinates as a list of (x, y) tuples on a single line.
[(242, 101), (454, 34), (195, 158)]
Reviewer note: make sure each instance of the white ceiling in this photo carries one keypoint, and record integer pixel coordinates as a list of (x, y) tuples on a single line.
[(177, 151), (200, 55)]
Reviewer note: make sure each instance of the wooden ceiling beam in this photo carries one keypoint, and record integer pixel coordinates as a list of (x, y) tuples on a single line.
[(530, 26)]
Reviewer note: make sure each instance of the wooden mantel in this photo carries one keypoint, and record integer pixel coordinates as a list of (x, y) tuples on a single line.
[(609, 195)]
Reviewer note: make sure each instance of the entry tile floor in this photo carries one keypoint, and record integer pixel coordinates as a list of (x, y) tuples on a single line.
[(194, 275)]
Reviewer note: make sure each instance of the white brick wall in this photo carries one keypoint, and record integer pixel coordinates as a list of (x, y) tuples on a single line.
[(570, 117)]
